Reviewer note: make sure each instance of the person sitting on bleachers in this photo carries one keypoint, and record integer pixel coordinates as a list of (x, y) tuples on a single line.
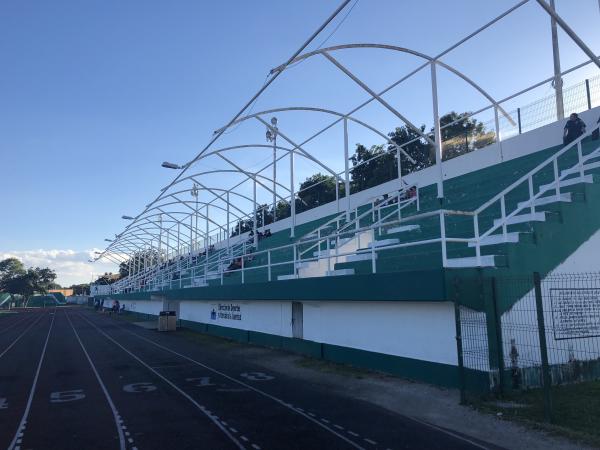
[(267, 233), (236, 264)]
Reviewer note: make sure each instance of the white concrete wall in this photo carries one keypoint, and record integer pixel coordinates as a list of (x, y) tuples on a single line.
[(423, 331), (142, 306)]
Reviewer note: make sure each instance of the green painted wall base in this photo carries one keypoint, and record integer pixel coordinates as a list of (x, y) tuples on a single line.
[(435, 373), (439, 374)]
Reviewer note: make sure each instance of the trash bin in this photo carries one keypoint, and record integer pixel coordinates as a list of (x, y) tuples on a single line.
[(167, 321)]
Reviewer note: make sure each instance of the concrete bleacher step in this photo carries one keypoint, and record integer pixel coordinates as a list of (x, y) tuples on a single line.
[(383, 242), (587, 166), (523, 218), (323, 253), (563, 197), (342, 241), (471, 261), (360, 257), (403, 229), (570, 182), (287, 277), (339, 272), (494, 239)]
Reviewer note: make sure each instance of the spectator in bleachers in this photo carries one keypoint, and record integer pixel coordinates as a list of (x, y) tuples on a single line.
[(574, 128), (596, 132)]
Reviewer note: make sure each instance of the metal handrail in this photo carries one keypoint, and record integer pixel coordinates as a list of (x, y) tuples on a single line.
[(443, 239)]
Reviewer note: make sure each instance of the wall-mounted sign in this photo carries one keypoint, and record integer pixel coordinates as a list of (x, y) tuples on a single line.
[(226, 311), (575, 313)]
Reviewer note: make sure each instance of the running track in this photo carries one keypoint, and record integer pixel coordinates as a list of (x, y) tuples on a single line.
[(72, 379)]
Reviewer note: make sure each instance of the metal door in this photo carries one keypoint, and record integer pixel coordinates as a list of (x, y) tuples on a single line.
[(297, 320)]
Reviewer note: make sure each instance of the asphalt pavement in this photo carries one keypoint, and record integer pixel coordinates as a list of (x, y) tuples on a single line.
[(74, 379)]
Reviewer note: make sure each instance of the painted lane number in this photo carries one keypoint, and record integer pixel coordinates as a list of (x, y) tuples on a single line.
[(3, 403), (256, 376), (67, 396), (201, 381), (139, 387)]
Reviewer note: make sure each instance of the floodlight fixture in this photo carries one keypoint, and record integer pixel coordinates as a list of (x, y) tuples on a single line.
[(194, 191), (170, 165), (127, 217)]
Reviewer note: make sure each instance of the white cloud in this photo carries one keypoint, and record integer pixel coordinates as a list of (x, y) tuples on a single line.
[(71, 267)]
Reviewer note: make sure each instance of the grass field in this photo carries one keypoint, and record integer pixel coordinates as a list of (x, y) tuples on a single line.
[(575, 410)]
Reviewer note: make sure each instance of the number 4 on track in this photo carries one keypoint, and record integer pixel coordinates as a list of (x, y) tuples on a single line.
[(3, 403)]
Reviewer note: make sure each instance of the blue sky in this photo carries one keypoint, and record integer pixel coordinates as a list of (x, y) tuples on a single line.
[(95, 95)]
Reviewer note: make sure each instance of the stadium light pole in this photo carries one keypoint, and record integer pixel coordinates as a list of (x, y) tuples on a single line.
[(194, 193), (557, 83), (271, 136)]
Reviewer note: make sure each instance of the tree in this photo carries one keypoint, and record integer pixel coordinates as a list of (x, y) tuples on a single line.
[(81, 289), (418, 149), (464, 136), (372, 167), (137, 262), (31, 281), (317, 190), (107, 278), (9, 269)]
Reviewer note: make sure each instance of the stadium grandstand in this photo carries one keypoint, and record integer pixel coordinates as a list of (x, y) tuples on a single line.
[(382, 275)]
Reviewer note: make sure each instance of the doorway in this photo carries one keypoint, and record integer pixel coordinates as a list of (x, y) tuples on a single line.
[(297, 320)]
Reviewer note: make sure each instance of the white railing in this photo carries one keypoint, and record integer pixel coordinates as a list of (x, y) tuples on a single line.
[(529, 203), (160, 277)]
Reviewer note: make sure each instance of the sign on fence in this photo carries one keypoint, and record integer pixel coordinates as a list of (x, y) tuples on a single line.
[(575, 312)]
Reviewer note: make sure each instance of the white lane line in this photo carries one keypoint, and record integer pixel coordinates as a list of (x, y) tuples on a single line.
[(14, 324), (287, 405), (21, 335), (23, 422), (325, 420), (370, 441), (258, 391), (173, 385), (116, 415), (449, 433), (338, 426), (353, 433), (244, 438)]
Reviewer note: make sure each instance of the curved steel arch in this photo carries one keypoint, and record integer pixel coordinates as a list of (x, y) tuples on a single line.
[(455, 71), (226, 171), (325, 111)]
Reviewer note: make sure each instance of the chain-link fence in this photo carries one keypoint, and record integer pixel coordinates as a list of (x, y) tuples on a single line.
[(576, 98), (528, 333)]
